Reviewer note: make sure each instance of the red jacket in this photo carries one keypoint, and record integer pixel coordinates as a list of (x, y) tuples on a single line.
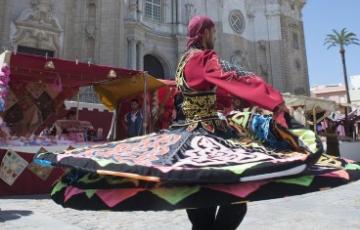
[(203, 71)]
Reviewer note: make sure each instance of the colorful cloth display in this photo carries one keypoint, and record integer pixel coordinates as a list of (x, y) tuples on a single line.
[(4, 85), (11, 167), (42, 172)]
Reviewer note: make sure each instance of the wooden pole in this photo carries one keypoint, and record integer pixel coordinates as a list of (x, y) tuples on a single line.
[(78, 105), (113, 134), (314, 119), (145, 103)]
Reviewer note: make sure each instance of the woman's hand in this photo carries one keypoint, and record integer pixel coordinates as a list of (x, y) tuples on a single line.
[(281, 108), (279, 113)]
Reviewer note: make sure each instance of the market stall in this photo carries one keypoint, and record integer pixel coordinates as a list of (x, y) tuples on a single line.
[(32, 94), (117, 94), (308, 110)]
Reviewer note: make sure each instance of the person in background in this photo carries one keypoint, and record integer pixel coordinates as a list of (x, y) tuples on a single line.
[(133, 120), (332, 140)]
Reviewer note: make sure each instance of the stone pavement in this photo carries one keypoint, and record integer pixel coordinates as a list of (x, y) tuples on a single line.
[(332, 209)]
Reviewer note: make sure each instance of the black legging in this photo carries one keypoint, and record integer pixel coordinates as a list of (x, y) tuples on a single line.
[(228, 217)]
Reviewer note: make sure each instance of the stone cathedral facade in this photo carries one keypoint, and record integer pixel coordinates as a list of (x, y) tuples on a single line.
[(265, 36)]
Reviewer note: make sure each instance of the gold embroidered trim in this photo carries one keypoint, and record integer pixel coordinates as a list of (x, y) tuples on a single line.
[(197, 106)]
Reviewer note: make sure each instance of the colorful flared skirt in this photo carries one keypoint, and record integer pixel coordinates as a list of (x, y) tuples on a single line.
[(246, 157)]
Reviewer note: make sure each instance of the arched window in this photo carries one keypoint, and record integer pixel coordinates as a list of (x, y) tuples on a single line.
[(153, 10), (237, 21), (153, 66), (295, 41)]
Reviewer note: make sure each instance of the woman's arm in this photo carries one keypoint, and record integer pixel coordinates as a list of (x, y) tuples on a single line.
[(251, 88)]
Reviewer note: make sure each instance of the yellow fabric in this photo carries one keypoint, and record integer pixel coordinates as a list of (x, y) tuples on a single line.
[(112, 91)]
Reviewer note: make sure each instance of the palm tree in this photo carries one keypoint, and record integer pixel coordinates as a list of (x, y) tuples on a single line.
[(342, 39)]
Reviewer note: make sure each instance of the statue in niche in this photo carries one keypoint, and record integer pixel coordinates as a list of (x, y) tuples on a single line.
[(40, 13), (37, 27), (263, 71), (133, 8), (90, 31), (262, 45)]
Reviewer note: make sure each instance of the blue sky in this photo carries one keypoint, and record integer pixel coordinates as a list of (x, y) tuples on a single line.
[(320, 17)]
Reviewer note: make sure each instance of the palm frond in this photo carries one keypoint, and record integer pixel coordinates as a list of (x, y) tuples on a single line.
[(337, 34), (331, 45), (356, 43), (341, 38)]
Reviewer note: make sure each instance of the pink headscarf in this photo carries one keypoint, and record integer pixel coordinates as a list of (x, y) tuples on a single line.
[(196, 28)]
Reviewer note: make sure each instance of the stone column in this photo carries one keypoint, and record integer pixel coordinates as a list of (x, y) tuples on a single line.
[(132, 53), (140, 55)]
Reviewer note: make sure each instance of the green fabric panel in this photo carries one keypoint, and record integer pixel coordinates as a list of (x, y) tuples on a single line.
[(87, 180), (307, 136), (242, 119), (303, 181), (174, 195), (119, 180), (239, 169), (58, 187), (104, 162), (90, 193), (109, 179), (351, 166)]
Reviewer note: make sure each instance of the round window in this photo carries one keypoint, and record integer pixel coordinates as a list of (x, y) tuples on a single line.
[(237, 21)]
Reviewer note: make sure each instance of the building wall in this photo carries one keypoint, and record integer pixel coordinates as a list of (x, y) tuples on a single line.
[(335, 93), (355, 89), (2, 23), (338, 97), (118, 33)]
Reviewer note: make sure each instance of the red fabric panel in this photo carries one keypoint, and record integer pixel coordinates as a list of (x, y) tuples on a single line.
[(67, 76), (166, 101), (203, 72), (98, 119), (28, 183), (60, 111), (31, 68)]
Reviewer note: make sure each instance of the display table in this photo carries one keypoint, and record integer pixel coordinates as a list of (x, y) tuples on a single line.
[(75, 130)]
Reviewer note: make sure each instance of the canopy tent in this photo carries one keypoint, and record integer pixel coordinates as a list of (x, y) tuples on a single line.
[(49, 70), (352, 116), (112, 91), (314, 110), (310, 103), (39, 86)]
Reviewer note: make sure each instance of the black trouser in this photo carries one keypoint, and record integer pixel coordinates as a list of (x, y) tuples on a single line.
[(228, 217)]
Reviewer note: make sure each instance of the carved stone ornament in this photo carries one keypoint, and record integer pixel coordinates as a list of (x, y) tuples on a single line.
[(37, 27), (90, 31), (133, 8)]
